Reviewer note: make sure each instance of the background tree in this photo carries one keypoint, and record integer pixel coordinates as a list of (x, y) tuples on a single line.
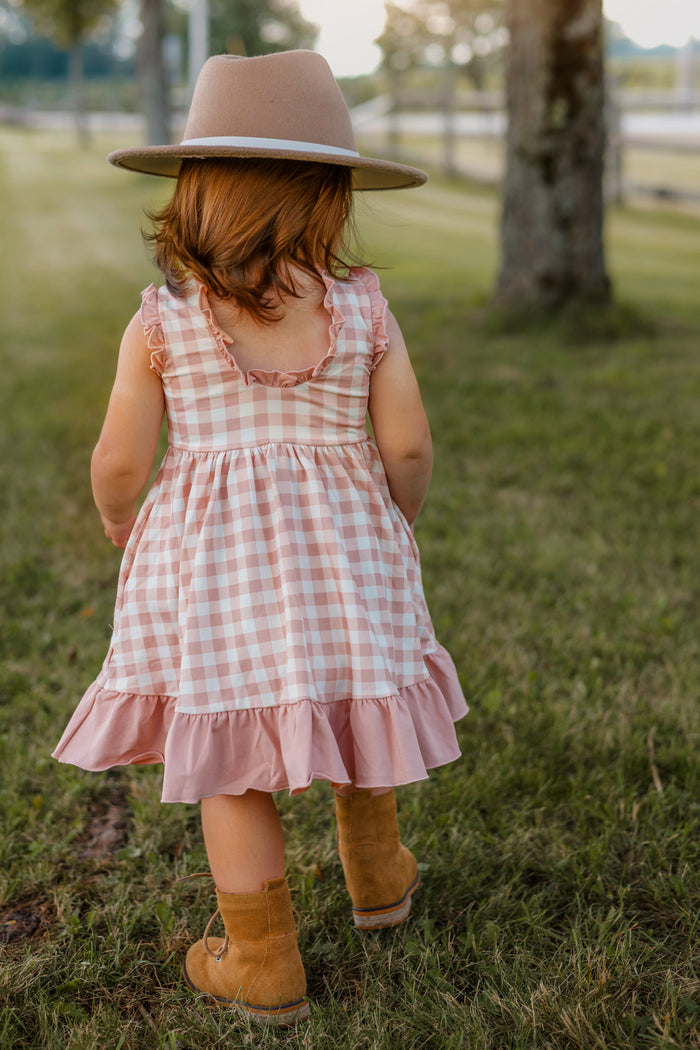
[(456, 37), (259, 27), (552, 220), (153, 81), (69, 22), (426, 33)]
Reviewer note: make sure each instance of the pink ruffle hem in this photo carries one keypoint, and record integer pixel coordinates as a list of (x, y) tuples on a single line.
[(373, 743)]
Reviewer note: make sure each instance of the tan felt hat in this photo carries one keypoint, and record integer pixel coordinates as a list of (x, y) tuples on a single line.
[(286, 105)]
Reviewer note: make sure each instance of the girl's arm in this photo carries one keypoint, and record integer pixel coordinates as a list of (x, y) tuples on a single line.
[(400, 425), (124, 454)]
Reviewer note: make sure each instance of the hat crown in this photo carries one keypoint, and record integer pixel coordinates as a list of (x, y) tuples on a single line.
[(284, 106), (287, 95)]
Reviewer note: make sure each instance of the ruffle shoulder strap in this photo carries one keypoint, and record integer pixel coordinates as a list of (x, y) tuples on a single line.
[(378, 306), (153, 328)]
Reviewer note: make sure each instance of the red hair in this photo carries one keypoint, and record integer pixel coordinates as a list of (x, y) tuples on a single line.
[(241, 225)]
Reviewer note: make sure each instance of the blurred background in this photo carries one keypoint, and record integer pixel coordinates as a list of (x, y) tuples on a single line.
[(424, 78)]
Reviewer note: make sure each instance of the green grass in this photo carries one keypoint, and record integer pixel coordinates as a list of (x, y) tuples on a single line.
[(559, 901)]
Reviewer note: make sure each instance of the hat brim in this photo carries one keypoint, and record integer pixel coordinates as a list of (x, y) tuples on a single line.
[(368, 173)]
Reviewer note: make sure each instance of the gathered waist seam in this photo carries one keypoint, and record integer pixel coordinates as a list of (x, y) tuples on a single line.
[(267, 444)]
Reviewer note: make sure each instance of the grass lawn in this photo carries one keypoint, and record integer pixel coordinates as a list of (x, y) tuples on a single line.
[(559, 901)]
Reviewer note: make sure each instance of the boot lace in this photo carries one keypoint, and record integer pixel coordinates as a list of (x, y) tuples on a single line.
[(222, 950)]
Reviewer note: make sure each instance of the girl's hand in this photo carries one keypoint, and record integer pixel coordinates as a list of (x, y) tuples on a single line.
[(119, 531)]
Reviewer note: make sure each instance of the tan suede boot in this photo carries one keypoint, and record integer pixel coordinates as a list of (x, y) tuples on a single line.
[(256, 968), (380, 873)]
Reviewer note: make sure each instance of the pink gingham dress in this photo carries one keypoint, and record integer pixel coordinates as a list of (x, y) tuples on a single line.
[(270, 626)]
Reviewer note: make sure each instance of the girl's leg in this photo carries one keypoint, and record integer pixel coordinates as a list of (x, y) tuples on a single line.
[(256, 968), (244, 841)]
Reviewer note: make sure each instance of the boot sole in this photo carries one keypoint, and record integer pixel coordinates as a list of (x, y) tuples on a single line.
[(391, 915), (282, 1016)]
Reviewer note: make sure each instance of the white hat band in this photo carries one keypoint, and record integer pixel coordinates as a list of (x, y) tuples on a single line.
[(288, 145)]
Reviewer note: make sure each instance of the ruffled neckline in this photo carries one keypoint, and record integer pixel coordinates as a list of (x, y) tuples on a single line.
[(274, 377)]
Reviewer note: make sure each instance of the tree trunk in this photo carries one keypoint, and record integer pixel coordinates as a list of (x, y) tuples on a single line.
[(449, 162), (552, 220), (152, 74), (393, 144), (76, 79), (614, 191)]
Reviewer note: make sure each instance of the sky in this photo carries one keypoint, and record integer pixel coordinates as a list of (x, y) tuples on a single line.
[(348, 27)]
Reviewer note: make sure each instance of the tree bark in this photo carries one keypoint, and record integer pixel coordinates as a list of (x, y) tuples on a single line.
[(449, 104), (394, 122), (552, 248), (152, 74), (76, 79)]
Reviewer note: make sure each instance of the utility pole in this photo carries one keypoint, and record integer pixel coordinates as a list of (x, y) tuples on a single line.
[(198, 40)]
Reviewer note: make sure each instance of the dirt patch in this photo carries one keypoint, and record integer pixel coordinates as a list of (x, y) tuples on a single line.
[(109, 827), (25, 922)]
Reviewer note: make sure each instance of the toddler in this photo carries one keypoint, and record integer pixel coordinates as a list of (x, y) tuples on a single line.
[(270, 626)]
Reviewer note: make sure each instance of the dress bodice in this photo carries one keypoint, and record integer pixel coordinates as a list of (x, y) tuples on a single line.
[(213, 406)]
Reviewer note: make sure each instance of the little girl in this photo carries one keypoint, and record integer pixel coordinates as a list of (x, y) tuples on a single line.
[(270, 626)]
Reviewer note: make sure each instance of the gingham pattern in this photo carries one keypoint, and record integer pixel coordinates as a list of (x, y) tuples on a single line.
[(269, 565)]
